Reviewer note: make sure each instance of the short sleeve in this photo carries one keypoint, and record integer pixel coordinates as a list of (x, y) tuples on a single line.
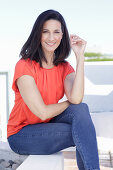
[(67, 69), (23, 67)]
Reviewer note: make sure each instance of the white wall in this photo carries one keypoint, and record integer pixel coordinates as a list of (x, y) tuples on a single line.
[(99, 86)]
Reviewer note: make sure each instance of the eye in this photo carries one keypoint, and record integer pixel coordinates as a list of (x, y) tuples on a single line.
[(44, 31), (57, 32)]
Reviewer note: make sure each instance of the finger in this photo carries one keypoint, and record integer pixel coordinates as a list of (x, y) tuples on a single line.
[(74, 36), (78, 43), (79, 40)]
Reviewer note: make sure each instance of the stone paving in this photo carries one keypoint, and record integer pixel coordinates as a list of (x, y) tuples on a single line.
[(9, 165), (8, 159)]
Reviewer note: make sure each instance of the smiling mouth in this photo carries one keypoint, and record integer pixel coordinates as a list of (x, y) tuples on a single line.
[(51, 44)]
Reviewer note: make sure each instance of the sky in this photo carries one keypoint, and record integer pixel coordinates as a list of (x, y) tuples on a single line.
[(92, 20)]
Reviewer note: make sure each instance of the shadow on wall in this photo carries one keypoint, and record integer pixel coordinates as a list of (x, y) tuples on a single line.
[(98, 103), (99, 87), (99, 74)]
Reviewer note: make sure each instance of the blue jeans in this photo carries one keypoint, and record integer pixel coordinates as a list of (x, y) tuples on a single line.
[(73, 127)]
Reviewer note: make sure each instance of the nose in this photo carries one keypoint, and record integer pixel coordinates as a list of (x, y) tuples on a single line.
[(51, 36)]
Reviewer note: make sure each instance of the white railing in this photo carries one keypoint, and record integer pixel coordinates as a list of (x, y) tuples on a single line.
[(4, 104)]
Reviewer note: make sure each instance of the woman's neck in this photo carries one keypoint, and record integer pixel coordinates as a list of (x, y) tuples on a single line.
[(50, 58)]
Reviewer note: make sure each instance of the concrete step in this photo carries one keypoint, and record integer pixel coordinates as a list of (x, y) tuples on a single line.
[(43, 162)]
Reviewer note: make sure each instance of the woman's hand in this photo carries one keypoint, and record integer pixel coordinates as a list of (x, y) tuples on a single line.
[(78, 45)]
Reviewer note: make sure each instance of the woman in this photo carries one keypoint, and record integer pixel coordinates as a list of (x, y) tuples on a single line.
[(38, 124)]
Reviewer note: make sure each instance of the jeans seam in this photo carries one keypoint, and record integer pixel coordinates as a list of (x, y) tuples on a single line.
[(81, 148), (41, 134), (79, 144), (86, 165)]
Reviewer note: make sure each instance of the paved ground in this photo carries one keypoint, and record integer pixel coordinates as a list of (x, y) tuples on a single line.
[(70, 161)]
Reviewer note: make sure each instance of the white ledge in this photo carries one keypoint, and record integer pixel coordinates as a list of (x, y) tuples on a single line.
[(43, 162)]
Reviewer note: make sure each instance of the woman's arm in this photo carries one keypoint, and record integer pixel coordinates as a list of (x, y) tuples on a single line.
[(33, 99), (74, 84)]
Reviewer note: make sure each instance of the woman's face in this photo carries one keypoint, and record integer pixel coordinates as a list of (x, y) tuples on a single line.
[(51, 35)]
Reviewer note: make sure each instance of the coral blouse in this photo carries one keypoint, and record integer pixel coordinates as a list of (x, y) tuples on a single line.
[(50, 83)]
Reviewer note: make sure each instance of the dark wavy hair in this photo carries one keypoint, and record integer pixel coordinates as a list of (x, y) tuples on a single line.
[(32, 48)]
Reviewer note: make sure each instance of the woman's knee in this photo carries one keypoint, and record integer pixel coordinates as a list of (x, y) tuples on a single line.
[(80, 111), (73, 111), (82, 107)]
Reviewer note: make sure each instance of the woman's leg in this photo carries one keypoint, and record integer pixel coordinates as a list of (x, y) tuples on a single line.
[(83, 133), (79, 161), (42, 139)]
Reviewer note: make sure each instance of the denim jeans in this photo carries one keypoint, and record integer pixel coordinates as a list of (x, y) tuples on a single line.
[(73, 127)]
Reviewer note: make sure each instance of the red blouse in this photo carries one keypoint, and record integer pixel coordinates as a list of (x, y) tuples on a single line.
[(50, 83)]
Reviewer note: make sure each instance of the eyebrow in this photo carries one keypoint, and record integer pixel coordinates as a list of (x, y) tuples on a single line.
[(48, 30)]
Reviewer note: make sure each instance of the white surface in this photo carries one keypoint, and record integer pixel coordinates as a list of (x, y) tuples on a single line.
[(103, 124), (4, 146), (43, 162), (105, 144), (3, 107), (99, 86)]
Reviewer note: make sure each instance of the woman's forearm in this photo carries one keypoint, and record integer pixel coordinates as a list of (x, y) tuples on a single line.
[(78, 46), (52, 110), (77, 91)]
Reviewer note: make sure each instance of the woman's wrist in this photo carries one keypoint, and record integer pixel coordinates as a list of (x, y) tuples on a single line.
[(67, 102), (80, 60)]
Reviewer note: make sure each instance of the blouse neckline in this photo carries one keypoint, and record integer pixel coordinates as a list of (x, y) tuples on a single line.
[(48, 68)]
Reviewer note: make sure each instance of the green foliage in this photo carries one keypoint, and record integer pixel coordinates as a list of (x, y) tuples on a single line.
[(91, 56), (100, 59), (88, 54)]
